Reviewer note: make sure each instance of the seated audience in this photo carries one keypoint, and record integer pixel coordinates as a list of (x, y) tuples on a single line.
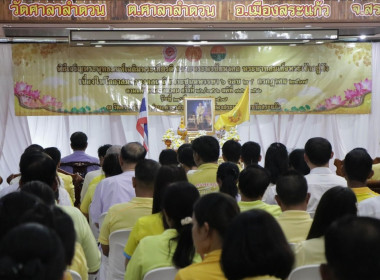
[(250, 153), (255, 248), (352, 247), (231, 151), (111, 167), (277, 163), (206, 154), (212, 216), (102, 150), (168, 157), (42, 259), (186, 159), (253, 182), (292, 197), (318, 152), (357, 168), (117, 189), (335, 203), (36, 165), (65, 180), (124, 215), (227, 177), (154, 224), (370, 207), (78, 142), (297, 161), (174, 247), (87, 256)]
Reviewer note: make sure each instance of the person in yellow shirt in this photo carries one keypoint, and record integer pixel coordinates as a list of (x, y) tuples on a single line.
[(154, 224), (124, 215), (253, 182), (174, 247), (206, 153), (335, 203), (231, 152), (255, 248), (212, 216), (292, 197), (357, 168)]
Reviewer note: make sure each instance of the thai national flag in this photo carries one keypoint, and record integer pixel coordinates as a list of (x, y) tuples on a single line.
[(142, 121)]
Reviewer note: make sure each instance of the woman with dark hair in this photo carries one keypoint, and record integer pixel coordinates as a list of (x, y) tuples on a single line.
[(277, 163), (154, 224), (335, 203), (256, 248), (174, 247), (212, 216), (227, 177), (31, 251), (297, 161)]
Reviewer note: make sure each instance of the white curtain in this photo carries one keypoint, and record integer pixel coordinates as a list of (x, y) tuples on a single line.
[(345, 132)]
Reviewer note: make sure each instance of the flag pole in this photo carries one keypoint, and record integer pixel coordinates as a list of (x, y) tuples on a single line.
[(146, 94), (249, 110)]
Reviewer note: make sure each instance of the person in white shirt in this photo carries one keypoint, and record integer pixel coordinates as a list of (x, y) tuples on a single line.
[(117, 189), (318, 152)]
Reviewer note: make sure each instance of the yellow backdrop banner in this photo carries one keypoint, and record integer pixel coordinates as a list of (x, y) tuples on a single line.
[(55, 79)]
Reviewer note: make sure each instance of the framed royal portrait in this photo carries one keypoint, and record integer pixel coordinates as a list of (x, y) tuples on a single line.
[(199, 114)]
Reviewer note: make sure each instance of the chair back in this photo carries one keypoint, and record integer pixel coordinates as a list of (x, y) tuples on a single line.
[(162, 273), (309, 272), (116, 260), (75, 275)]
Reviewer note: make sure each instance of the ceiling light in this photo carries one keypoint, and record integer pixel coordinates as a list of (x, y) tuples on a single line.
[(319, 42), (362, 37)]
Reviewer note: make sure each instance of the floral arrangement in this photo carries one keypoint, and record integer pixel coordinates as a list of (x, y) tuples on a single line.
[(177, 142), (33, 99), (200, 133), (353, 97), (231, 134), (169, 135)]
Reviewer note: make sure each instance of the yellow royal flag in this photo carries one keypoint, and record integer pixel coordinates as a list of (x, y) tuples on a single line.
[(238, 115)]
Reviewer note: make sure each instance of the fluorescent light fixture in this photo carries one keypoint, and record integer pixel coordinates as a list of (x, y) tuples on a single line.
[(199, 37), (319, 42), (362, 37)]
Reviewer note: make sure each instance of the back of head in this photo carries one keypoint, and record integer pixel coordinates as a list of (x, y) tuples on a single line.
[(54, 153), (133, 152), (145, 172), (207, 148), (111, 165), (37, 166), (250, 153), (335, 203), (276, 161), (31, 251), (318, 150), (13, 206), (291, 188), (114, 149), (165, 175), (41, 190), (34, 148), (297, 161), (78, 141), (357, 165), (168, 157), (102, 150), (352, 246), (268, 253), (185, 156), (228, 174), (216, 209), (231, 151), (178, 203), (253, 181)]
